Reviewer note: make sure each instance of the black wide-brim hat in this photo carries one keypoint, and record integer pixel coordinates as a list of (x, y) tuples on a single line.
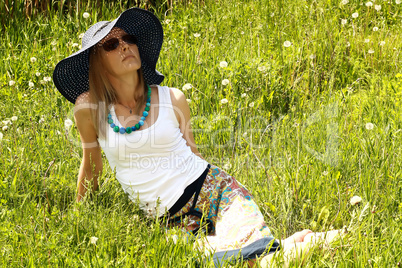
[(71, 75)]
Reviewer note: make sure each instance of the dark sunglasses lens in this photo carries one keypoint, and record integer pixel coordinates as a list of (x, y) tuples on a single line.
[(130, 39), (111, 44)]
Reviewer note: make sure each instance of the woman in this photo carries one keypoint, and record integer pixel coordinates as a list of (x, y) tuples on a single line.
[(144, 130)]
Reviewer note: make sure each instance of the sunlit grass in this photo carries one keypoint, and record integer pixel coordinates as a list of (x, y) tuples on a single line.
[(291, 122)]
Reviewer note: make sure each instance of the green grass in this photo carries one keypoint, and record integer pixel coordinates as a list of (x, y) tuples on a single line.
[(293, 131)]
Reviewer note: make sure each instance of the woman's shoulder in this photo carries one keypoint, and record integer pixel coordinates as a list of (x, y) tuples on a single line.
[(83, 105), (175, 94)]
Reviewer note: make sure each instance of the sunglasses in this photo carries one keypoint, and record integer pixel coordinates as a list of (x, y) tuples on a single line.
[(114, 42)]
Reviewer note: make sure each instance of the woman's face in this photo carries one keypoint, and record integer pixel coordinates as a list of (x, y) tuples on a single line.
[(119, 55)]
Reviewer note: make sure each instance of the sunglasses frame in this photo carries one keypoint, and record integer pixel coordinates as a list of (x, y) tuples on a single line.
[(114, 42)]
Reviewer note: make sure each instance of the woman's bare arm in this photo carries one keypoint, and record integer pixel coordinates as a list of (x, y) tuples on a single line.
[(91, 165), (183, 115)]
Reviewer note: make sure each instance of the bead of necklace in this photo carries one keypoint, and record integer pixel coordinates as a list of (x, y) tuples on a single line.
[(128, 130)]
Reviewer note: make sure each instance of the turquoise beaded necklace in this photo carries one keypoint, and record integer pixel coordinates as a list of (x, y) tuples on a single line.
[(137, 126)]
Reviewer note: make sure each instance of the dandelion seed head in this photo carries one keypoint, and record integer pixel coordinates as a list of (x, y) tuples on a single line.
[(225, 82), (312, 57), (398, 2), (31, 84), (11, 83), (371, 51), (187, 86), (369, 4), (33, 59), (251, 105), (243, 95), (262, 68), (68, 123), (196, 35), (375, 29), (223, 64), (355, 15), (47, 79), (224, 101), (366, 40), (382, 43), (85, 15), (93, 240), (14, 118), (355, 200), (287, 44), (377, 7), (369, 126), (345, 2), (188, 101), (344, 21)]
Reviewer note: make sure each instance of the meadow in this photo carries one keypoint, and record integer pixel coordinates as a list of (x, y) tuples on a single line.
[(299, 100)]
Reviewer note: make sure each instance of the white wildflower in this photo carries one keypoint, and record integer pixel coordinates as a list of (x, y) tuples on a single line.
[(241, 32), (37, 74), (398, 2), (196, 35), (312, 57), (355, 200), (6, 122), (33, 59), (224, 101), (31, 84), (344, 2), (11, 83), (262, 68), (188, 101), (68, 123), (366, 40), (382, 43), (369, 126), (225, 82), (344, 21), (54, 49), (93, 240), (223, 64), (47, 78), (54, 42), (348, 44), (369, 4), (251, 105), (5, 128), (227, 166), (287, 44), (355, 15), (370, 51), (375, 29), (187, 86), (85, 15), (377, 7), (243, 95), (41, 120), (14, 118), (75, 45)]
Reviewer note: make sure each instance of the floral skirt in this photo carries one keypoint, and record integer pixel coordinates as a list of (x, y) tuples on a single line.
[(238, 228)]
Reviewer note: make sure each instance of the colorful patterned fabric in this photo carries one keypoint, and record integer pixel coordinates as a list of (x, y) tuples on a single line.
[(237, 221)]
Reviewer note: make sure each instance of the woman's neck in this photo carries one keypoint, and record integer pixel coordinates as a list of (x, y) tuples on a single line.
[(129, 90)]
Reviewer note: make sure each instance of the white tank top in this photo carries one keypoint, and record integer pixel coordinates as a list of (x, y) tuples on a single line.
[(153, 165)]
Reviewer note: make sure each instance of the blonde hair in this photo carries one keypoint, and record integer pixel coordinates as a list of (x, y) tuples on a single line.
[(102, 92)]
